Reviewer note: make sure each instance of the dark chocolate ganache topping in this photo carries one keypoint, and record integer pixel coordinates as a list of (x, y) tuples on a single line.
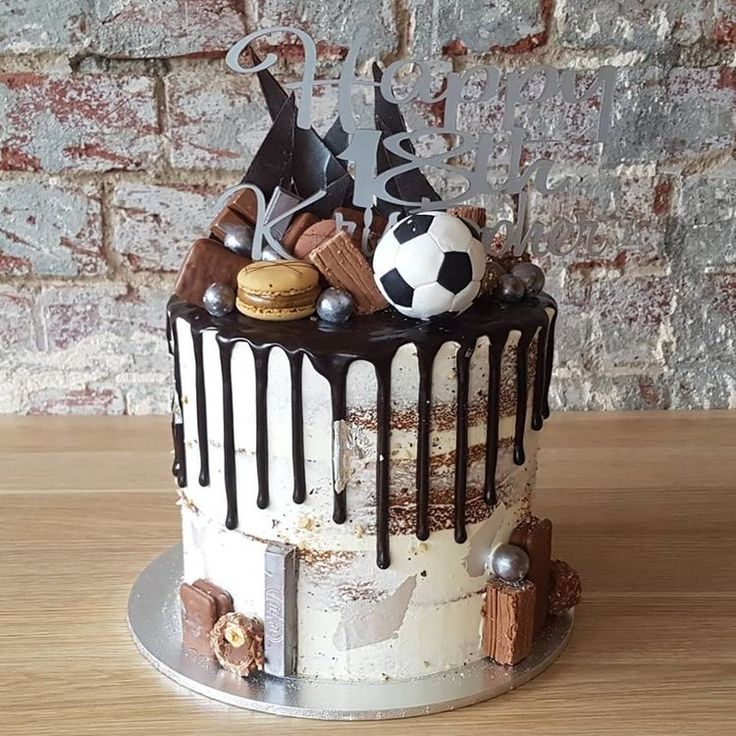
[(376, 338)]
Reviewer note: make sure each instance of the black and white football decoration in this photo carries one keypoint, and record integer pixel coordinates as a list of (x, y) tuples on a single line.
[(429, 265)]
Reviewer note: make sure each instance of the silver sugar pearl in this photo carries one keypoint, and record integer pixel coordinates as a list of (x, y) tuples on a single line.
[(335, 305), (269, 254), (239, 239), (510, 288), (510, 563), (219, 300), (530, 275)]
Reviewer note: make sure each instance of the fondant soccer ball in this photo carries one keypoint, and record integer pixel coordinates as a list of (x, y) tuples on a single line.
[(429, 265)]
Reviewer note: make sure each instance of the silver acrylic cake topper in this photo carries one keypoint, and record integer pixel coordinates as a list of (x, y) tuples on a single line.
[(509, 92)]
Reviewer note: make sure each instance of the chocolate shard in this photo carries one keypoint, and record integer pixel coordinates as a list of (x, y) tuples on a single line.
[(273, 162), (274, 94), (336, 139), (508, 621), (411, 186), (313, 166)]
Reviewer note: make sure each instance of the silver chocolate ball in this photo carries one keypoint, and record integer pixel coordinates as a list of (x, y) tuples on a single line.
[(510, 563), (335, 305), (239, 239), (510, 288), (219, 300), (530, 275)]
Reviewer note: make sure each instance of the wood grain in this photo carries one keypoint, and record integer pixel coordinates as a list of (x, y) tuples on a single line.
[(643, 506)]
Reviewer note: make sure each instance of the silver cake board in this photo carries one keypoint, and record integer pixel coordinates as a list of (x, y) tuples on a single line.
[(155, 624)]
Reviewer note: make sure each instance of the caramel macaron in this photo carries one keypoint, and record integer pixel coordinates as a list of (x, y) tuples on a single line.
[(278, 291)]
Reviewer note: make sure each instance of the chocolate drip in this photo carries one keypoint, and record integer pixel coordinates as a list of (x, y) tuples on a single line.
[(522, 352), (426, 360), (179, 466), (297, 428), (461, 438), (228, 442), (376, 339), (495, 355), (260, 359), (383, 452), (539, 381), (549, 351), (204, 458)]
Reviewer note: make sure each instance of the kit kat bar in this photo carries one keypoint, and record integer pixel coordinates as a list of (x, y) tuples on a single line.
[(280, 624)]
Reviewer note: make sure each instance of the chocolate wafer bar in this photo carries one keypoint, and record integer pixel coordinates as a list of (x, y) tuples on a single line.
[(344, 266), (474, 214)]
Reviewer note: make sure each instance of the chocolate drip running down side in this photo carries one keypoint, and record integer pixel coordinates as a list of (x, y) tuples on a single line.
[(179, 466), (332, 349)]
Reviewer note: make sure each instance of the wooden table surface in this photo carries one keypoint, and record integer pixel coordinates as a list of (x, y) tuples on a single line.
[(643, 505)]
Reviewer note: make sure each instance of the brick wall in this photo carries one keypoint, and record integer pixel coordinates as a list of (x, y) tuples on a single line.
[(119, 125)]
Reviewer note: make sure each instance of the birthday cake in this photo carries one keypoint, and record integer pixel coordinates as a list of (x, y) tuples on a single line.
[(359, 393)]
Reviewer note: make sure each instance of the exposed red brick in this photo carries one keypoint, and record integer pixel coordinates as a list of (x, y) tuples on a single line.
[(93, 150), (650, 394), (14, 265), (727, 78), (60, 122), (725, 284), (525, 45), (725, 32), (86, 400), (176, 28), (662, 192), (585, 267), (16, 327), (293, 50), (455, 48), (16, 160)]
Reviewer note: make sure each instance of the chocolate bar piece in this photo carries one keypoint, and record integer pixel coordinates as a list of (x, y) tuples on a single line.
[(281, 201), (508, 621), (207, 263), (298, 226), (344, 266), (534, 536), (280, 620), (244, 202), (474, 214), (223, 600), (198, 616), (233, 231)]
